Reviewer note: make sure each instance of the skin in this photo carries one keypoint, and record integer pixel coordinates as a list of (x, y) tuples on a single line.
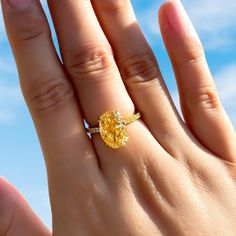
[(174, 176)]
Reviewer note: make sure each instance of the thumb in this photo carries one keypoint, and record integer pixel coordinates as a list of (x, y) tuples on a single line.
[(16, 217)]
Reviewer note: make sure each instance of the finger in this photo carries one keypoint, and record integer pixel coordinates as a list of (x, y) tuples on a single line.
[(89, 61), (16, 217), (141, 73), (67, 149), (202, 109)]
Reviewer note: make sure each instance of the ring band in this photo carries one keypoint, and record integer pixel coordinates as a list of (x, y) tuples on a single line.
[(112, 128)]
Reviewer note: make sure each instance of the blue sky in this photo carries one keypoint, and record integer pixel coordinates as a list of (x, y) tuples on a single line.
[(21, 159)]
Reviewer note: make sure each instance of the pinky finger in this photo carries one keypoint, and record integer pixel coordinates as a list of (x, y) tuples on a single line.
[(200, 103)]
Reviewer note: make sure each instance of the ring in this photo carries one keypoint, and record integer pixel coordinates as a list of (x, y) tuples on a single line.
[(112, 128)]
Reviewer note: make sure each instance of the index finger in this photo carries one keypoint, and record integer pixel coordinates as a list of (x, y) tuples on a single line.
[(49, 95)]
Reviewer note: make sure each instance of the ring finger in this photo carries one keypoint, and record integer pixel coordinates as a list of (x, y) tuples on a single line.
[(141, 74), (89, 61)]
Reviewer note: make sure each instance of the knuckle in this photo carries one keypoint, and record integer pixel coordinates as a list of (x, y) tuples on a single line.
[(113, 6), (49, 94), (139, 69), (193, 53), (33, 27), (32, 34), (92, 60), (206, 98)]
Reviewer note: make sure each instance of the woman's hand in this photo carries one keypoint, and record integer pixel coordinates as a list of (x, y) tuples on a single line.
[(171, 178), (16, 217)]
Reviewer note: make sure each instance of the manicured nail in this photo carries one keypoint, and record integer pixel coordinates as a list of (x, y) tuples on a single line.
[(20, 4), (179, 20)]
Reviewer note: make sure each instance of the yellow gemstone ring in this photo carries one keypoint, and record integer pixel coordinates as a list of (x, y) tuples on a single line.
[(112, 128)]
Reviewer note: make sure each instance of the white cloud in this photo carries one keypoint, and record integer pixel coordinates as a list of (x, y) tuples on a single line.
[(148, 20), (9, 93), (10, 100), (213, 19), (6, 116), (225, 81), (7, 66)]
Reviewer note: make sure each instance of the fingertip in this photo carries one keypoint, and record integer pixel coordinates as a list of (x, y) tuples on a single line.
[(161, 11), (163, 20), (20, 5), (164, 7), (175, 20)]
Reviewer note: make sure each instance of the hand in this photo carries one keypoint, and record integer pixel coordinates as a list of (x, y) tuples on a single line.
[(16, 217), (172, 177)]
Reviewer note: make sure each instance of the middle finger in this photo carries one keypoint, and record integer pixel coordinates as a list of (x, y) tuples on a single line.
[(89, 60)]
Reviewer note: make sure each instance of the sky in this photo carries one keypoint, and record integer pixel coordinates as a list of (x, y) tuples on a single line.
[(21, 160)]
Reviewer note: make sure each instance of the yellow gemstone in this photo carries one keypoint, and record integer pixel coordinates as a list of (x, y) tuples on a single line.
[(113, 130)]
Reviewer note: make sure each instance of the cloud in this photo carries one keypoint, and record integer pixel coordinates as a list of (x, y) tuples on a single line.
[(8, 66), (10, 94), (6, 116), (147, 17), (213, 19), (11, 100), (225, 81)]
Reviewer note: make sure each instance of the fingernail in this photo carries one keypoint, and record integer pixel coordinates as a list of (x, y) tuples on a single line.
[(179, 20), (20, 4)]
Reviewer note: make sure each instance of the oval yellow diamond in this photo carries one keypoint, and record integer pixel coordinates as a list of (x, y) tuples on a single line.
[(112, 129)]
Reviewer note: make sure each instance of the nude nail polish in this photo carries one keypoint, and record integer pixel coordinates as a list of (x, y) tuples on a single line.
[(20, 4), (179, 20)]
